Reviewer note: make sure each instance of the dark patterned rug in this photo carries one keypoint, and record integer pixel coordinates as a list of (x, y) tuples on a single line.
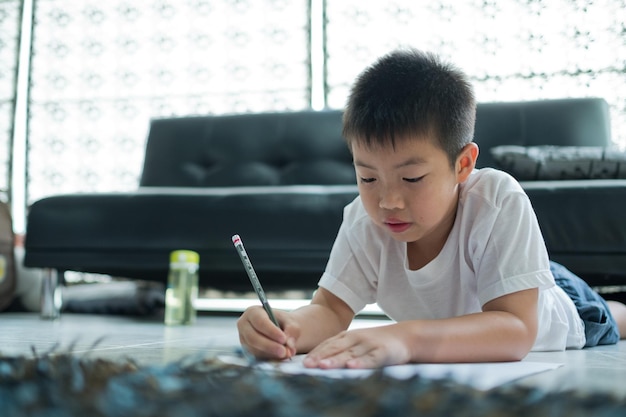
[(66, 385)]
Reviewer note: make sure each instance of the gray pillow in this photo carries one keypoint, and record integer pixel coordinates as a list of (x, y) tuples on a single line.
[(527, 163)]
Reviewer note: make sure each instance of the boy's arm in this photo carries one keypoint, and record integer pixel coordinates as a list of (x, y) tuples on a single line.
[(325, 317), (301, 330), (504, 331)]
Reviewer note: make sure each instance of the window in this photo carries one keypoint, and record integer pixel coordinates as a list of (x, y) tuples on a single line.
[(100, 70), (9, 46), (512, 50)]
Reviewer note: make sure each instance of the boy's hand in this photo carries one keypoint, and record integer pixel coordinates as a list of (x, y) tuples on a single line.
[(259, 336), (363, 348)]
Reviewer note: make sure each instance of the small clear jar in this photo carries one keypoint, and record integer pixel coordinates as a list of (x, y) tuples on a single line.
[(182, 288)]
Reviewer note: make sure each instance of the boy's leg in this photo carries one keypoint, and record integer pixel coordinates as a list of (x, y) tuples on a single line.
[(600, 325), (618, 310)]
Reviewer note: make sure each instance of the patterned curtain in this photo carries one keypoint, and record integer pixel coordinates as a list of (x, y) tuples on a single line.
[(10, 17), (512, 49), (102, 69)]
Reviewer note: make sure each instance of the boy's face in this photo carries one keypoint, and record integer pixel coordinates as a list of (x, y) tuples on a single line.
[(411, 191)]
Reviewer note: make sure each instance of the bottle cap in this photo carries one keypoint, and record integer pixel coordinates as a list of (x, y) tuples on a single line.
[(184, 256)]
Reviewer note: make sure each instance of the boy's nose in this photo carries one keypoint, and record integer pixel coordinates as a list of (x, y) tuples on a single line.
[(390, 199)]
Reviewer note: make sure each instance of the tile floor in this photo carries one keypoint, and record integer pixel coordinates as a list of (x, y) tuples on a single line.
[(148, 341)]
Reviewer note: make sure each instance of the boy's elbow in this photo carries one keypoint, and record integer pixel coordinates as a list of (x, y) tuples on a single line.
[(524, 342), (516, 339), (520, 322), (518, 354)]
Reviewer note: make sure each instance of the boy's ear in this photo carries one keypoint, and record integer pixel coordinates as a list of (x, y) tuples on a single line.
[(466, 161)]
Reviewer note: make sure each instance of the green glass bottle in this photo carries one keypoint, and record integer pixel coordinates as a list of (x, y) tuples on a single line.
[(182, 288)]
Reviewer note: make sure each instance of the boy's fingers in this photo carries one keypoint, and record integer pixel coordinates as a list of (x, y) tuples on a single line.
[(347, 350), (260, 336), (290, 329), (260, 346), (261, 322), (326, 350)]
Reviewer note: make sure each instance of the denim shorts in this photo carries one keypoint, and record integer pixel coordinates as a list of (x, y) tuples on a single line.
[(600, 326)]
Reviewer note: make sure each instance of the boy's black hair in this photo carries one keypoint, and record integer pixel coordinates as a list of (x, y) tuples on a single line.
[(407, 94)]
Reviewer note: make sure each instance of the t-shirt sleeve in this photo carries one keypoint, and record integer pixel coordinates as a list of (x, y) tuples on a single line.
[(350, 274), (512, 255)]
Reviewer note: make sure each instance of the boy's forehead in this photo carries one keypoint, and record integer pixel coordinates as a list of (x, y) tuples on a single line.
[(391, 144), (403, 153)]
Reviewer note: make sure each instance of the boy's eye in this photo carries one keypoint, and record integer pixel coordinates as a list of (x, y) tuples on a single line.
[(367, 180), (417, 179)]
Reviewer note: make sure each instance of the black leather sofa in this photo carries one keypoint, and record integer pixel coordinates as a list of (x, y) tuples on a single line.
[(281, 180)]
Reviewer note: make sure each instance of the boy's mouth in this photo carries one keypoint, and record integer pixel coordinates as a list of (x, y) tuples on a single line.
[(396, 226)]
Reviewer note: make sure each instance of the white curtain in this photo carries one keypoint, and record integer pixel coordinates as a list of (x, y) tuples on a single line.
[(511, 49), (102, 69), (9, 45)]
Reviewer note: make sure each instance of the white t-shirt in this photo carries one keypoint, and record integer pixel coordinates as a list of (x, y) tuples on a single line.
[(494, 248)]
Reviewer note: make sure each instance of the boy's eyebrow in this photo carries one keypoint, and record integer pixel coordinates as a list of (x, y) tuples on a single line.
[(411, 161)]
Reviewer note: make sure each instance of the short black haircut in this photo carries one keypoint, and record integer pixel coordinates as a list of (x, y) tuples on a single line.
[(409, 93)]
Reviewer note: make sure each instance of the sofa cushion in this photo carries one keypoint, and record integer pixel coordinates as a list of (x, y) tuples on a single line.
[(583, 227), (527, 163), (267, 149), (288, 232), (564, 122)]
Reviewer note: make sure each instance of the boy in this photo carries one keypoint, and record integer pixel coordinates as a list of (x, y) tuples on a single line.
[(454, 255)]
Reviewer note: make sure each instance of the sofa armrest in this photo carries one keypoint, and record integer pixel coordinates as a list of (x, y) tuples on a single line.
[(583, 225)]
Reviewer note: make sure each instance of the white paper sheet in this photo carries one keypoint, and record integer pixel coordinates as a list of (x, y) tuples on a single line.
[(482, 376)]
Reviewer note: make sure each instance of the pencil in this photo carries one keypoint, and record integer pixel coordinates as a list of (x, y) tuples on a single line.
[(256, 284)]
